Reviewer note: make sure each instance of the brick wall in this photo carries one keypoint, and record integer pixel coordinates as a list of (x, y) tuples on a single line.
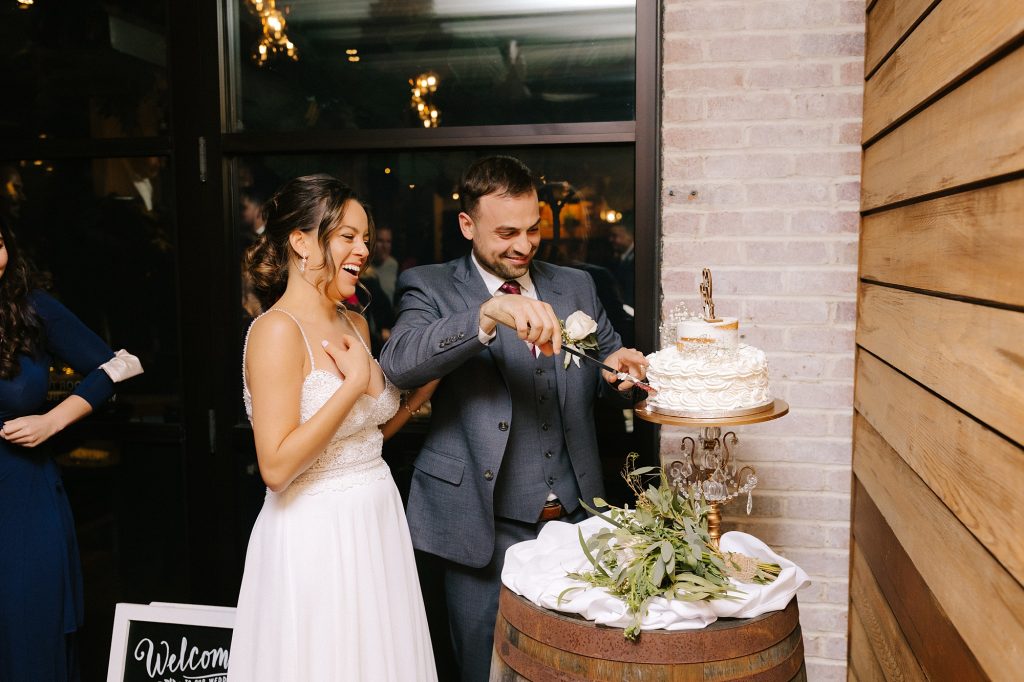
[(761, 164)]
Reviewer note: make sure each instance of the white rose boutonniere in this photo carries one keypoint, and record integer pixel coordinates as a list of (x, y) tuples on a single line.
[(579, 332)]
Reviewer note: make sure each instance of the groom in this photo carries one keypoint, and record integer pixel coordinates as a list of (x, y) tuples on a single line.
[(512, 442)]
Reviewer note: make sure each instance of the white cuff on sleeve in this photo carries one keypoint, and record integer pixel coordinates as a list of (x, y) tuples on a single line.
[(122, 366), (486, 338)]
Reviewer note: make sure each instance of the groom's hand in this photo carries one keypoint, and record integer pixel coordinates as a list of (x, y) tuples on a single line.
[(628, 360), (534, 321)]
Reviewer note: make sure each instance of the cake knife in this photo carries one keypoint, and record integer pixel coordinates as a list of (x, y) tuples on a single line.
[(623, 376)]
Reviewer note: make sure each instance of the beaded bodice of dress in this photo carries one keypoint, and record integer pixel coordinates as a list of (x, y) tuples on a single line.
[(353, 456)]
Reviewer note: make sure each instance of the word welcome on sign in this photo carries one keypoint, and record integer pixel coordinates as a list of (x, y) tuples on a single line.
[(170, 643)]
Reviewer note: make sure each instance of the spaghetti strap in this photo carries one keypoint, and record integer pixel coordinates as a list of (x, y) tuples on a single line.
[(344, 313), (245, 348), (309, 349), (355, 332)]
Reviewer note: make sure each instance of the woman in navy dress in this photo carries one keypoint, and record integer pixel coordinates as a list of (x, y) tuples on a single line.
[(40, 574)]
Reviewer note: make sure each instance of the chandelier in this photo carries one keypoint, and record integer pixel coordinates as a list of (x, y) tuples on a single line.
[(423, 88), (273, 41)]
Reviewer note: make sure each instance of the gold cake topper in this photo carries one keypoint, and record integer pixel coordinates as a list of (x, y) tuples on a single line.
[(709, 301)]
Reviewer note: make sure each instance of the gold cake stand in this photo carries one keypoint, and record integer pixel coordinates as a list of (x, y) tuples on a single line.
[(778, 408), (712, 455)]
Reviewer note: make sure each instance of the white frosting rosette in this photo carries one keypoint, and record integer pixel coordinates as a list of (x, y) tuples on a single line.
[(708, 380)]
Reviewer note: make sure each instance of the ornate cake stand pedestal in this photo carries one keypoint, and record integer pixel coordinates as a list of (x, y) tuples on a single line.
[(709, 463)]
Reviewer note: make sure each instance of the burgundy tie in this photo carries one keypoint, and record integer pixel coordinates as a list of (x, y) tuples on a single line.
[(510, 287)]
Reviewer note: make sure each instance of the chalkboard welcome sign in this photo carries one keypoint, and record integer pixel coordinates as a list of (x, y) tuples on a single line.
[(170, 643)]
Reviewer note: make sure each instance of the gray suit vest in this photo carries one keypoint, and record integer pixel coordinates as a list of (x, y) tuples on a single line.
[(536, 461)]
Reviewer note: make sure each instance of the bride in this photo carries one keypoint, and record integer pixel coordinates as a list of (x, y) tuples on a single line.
[(330, 590)]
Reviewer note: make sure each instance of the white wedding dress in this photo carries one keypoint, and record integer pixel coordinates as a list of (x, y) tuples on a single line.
[(330, 590)]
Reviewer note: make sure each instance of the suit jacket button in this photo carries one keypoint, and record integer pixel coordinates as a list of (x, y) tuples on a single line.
[(462, 334), (489, 474), (545, 426), (503, 426), (549, 454)]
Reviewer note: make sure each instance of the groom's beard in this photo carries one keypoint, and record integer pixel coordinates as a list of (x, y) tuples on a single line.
[(502, 268)]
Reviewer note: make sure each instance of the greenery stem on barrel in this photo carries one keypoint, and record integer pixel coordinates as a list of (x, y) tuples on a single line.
[(662, 549)]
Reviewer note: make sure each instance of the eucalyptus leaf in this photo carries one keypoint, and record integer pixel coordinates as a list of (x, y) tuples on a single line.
[(590, 557), (657, 573), (567, 590), (659, 549)]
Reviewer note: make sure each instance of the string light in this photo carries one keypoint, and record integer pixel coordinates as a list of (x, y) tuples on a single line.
[(423, 88), (25, 4), (273, 41)]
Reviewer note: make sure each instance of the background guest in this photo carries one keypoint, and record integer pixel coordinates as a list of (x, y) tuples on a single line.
[(12, 193), (622, 266), (41, 605), (384, 264)]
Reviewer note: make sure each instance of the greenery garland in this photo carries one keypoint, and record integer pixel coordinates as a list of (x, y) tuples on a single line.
[(662, 549)]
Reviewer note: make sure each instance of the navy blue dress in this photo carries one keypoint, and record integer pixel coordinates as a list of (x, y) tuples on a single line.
[(40, 573)]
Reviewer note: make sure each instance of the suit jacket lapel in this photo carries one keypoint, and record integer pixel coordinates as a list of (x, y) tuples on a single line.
[(550, 291), (473, 291), (469, 284)]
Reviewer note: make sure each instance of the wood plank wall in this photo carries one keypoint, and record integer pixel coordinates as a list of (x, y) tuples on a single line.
[(937, 559)]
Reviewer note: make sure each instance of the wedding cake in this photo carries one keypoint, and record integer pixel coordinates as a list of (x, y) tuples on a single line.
[(708, 372), (724, 332)]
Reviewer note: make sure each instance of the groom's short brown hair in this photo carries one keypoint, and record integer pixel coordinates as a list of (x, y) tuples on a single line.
[(505, 176)]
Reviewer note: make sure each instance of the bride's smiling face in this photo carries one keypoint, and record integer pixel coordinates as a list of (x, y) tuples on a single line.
[(348, 247)]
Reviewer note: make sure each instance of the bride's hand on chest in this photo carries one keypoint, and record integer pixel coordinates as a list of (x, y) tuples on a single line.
[(352, 360)]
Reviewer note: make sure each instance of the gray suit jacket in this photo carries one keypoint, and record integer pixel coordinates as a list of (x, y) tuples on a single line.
[(451, 511)]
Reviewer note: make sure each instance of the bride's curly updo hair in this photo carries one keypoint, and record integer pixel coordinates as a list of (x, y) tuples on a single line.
[(308, 203), (21, 331)]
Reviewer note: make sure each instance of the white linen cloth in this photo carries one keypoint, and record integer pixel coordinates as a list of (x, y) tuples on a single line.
[(537, 569)]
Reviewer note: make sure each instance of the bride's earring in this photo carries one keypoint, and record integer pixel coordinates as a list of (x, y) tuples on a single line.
[(302, 265)]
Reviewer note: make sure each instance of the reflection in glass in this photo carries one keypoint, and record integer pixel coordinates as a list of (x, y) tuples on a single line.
[(83, 69), (529, 61), (103, 232), (414, 201)]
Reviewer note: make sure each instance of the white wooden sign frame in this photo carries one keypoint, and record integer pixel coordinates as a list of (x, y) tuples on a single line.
[(160, 612)]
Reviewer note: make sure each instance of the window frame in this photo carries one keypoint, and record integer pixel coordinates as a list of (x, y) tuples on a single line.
[(202, 81), (643, 133)]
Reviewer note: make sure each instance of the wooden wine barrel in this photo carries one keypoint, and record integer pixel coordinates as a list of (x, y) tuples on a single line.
[(535, 644)]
